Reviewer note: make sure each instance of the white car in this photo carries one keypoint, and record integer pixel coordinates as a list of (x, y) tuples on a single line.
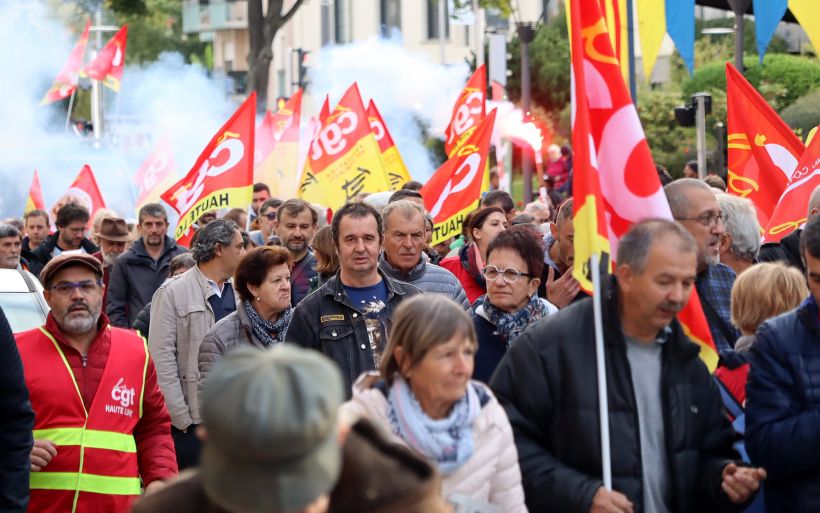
[(21, 298)]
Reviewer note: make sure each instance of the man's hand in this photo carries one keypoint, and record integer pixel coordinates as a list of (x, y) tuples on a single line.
[(609, 501), (562, 291), (740, 483), (154, 486), (41, 454)]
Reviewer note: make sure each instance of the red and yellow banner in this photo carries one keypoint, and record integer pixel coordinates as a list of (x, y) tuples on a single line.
[(66, 81), (455, 188), (468, 112), (110, 62), (344, 160), (35, 195), (615, 183), (791, 211), (222, 176), (279, 168), (324, 112), (155, 175), (763, 150), (394, 166)]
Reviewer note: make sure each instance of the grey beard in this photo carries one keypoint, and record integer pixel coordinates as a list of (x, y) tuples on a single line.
[(81, 324), (110, 258)]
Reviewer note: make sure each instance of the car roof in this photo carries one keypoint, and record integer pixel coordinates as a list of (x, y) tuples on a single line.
[(14, 280)]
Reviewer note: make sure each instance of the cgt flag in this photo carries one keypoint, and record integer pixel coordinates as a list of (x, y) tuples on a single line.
[(279, 168), (455, 188), (344, 160), (109, 64), (66, 81), (155, 175), (763, 150), (85, 188), (35, 195), (468, 112), (394, 166), (791, 211), (610, 141), (222, 176)]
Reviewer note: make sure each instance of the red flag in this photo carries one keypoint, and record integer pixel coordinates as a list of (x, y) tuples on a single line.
[(109, 63), (467, 112), (35, 195), (790, 213), (156, 174), (280, 126), (222, 176), (265, 140), (66, 81), (763, 150), (455, 188), (616, 184), (85, 188), (324, 112), (394, 166), (279, 168)]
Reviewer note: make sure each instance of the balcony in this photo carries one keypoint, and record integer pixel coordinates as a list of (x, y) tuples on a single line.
[(199, 16)]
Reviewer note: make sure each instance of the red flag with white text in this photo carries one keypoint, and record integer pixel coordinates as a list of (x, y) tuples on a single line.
[(468, 112), (66, 81), (110, 62), (279, 168), (86, 189), (614, 153), (763, 150), (394, 166), (156, 174), (455, 188), (222, 176)]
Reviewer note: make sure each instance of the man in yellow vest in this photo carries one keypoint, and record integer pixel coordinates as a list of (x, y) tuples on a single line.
[(101, 431)]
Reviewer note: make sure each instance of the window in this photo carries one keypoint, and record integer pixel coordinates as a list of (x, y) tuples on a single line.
[(389, 16), (342, 21), (433, 10)]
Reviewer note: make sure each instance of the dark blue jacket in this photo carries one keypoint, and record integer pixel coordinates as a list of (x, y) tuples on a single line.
[(491, 348), (783, 409)]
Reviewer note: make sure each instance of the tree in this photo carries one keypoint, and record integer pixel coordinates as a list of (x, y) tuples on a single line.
[(262, 28)]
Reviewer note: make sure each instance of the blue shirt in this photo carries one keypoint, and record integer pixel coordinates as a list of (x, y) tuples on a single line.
[(714, 287), (368, 299)]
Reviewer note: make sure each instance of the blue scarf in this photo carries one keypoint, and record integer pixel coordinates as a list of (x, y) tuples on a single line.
[(449, 441), (511, 325), (269, 333)]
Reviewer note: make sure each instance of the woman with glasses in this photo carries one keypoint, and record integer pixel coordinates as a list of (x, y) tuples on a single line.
[(485, 225), (424, 398), (262, 281), (514, 264)]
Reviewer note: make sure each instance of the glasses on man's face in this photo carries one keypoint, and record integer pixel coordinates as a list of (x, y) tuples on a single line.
[(707, 219), (87, 287), (271, 216), (510, 275)]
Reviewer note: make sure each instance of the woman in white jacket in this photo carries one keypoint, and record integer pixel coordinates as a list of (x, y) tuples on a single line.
[(425, 399)]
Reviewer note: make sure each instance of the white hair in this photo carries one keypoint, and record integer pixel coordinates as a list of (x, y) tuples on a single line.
[(740, 221)]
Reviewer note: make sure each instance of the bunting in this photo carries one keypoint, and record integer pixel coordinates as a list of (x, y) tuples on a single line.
[(66, 81)]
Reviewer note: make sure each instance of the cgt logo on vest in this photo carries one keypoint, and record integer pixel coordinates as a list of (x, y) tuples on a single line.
[(125, 396)]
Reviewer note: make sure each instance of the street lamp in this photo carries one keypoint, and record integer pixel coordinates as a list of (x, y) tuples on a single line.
[(526, 34)]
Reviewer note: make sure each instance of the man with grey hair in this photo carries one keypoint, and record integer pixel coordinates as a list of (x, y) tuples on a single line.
[(671, 441), (740, 242), (539, 211), (695, 206), (182, 311), (11, 246), (404, 258), (788, 249), (139, 272)]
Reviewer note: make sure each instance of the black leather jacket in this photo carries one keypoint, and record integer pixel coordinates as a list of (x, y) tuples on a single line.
[(327, 321)]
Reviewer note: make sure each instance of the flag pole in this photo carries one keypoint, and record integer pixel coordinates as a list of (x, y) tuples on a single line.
[(603, 399), (70, 108)]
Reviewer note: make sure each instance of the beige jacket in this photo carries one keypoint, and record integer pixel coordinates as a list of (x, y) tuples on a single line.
[(180, 318), (491, 475)]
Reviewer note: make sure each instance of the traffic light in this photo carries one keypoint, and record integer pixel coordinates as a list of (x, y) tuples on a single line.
[(301, 76)]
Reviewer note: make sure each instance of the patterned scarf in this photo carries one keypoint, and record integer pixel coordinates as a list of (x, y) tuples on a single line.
[(269, 333), (510, 325), (447, 441)]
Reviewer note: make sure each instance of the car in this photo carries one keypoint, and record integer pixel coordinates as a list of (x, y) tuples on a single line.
[(21, 297)]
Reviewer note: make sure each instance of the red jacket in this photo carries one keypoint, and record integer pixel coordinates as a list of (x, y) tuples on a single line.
[(463, 265), (155, 447)]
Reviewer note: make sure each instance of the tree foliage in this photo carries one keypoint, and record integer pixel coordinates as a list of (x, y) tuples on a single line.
[(803, 114), (157, 29)]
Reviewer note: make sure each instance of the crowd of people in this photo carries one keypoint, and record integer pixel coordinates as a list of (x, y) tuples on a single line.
[(289, 363)]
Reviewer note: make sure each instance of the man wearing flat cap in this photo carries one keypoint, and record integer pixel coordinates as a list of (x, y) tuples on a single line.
[(101, 430), (114, 237), (273, 444)]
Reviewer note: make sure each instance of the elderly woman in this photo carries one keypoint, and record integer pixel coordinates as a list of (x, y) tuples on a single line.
[(485, 225), (424, 397), (759, 293), (514, 263), (262, 281)]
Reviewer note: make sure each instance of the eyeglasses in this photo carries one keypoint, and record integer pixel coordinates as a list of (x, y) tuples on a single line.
[(271, 216), (510, 275), (66, 288), (707, 219)]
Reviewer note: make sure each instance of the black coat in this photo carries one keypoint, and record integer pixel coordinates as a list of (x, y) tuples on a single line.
[(16, 423), (134, 279), (786, 251), (547, 384), (42, 255), (328, 322)]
